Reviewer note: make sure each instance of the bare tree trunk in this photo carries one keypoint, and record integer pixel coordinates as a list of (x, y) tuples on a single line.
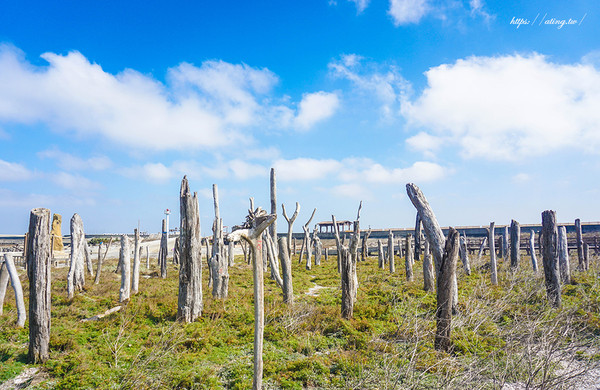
[(189, 300), (534, 262), (11, 270), (515, 244), (125, 259), (390, 254), (101, 260), (76, 275), (408, 261), (563, 256), (464, 254), (579, 235), (445, 293), (550, 257), (348, 259), (380, 254), (418, 225), (218, 262), (493, 265), (286, 269), (428, 273), (482, 247), (39, 273), (163, 251), (135, 280)]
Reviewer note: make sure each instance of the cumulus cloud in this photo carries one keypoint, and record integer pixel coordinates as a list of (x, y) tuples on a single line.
[(316, 107), (408, 11), (10, 171), (70, 162), (361, 5), (73, 182), (305, 168), (510, 107), (204, 106)]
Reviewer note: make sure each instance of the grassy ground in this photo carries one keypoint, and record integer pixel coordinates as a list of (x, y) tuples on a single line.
[(503, 334)]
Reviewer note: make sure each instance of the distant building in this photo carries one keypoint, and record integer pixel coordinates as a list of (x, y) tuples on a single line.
[(327, 227)]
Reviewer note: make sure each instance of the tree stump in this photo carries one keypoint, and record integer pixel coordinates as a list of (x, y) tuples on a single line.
[(135, 280), (125, 260), (189, 299), (390, 252), (444, 292), (9, 271), (563, 256), (550, 257), (534, 262), (515, 244), (408, 261), (286, 268), (39, 271), (493, 265), (76, 275)]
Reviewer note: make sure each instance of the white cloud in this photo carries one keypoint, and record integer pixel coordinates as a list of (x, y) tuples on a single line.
[(521, 178), (208, 106), (68, 161), (408, 11), (361, 5), (316, 107), (73, 182), (243, 170), (10, 171), (424, 142), (305, 168), (352, 191), (510, 107), (478, 9)]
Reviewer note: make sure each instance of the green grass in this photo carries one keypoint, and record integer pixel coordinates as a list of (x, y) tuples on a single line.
[(506, 333)]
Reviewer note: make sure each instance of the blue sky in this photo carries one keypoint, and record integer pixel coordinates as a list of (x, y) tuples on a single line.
[(104, 106)]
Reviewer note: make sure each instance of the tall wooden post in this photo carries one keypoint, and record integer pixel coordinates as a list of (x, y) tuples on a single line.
[(428, 273), (390, 254), (163, 251), (505, 248), (76, 275), (408, 261), (579, 236), (380, 254), (286, 269), (218, 262), (38, 263), (534, 262), (125, 259), (550, 257), (493, 265), (515, 244), (563, 256), (135, 280), (445, 293)]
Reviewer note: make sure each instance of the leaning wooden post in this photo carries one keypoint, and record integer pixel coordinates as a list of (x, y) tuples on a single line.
[(11, 270), (4, 276), (39, 272), (135, 279), (445, 293), (579, 241), (409, 260), (380, 254), (189, 299), (482, 247), (290, 222), (163, 250), (534, 262), (390, 253), (286, 270), (515, 244), (563, 256), (364, 251), (176, 251), (125, 259), (493, 265), (464, 254), (550, 257), (428, 273), (76, 275)]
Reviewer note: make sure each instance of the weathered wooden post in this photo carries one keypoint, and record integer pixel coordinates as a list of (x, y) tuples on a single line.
[(76, 275), (101, 260), (231, 253), (409, 260), (364, 250), (550, 257), (218, 262), (290, 221), (147, 257), (326, 254), (273, 263), (444, 292), (286, 269), (418, 225), (125, 259), (88, 257), (189, 299), (256, 222), (428, 273), (493, 265), (163, 250), (505, 248), (38, 270), (273, 227), (515, 244), (176, 251), (563, 256), (579, 236), (9, 271), (135, 280), (482, 247), (464, 254), (306, 241), (380, 255), (534, 263), (318, 246), (586, 256), (390, 254)]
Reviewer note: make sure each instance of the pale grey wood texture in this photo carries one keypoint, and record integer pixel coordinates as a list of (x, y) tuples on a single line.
[(219, 263), (579, 238), (428, 273), (286, 270), (515, 244), (493, 265), (408, 260), (11, 271), (563, 256), (76, 275), (444, 292), (290, 222), (163, 250), (125, 259), (534, 262), (135, 277), (390, 252), (550, 257)]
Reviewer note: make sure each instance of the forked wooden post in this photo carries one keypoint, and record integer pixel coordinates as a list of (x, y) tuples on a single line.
[(290, 222), (444, 292), (493, 265), (550, 257), (38, 270)]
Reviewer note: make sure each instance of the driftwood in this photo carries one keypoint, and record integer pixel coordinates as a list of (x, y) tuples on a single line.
[(163, 251), (286, 270), (579, 238), (9, 271), (515, 243), (444, 291), (76, 275), (550, 257), (38, 271), (189, 299), (100, 316), (563, 256), (125, 260), (493, 265), (101, 260), (219, 264), (135, 278), (534, 262), (428, 273), (464, 254), (408, 261), (390, 252), (256, 222)]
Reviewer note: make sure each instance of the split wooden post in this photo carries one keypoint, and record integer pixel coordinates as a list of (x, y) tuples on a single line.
[(286, 269), (76, 275), (10, 271), (39, 273), (125, 259), (563, 256), (290, 222), (380, 254), (390, 253), (579, 240), (428, 273), (464, 254), (135, 279), (550, 257), (256, 222), (444, 292), (189, 299), (219, 264), (493, 265), (163, 250), (364, 250), (534, 262), (418, 225), (409, 260), (515, 244)]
